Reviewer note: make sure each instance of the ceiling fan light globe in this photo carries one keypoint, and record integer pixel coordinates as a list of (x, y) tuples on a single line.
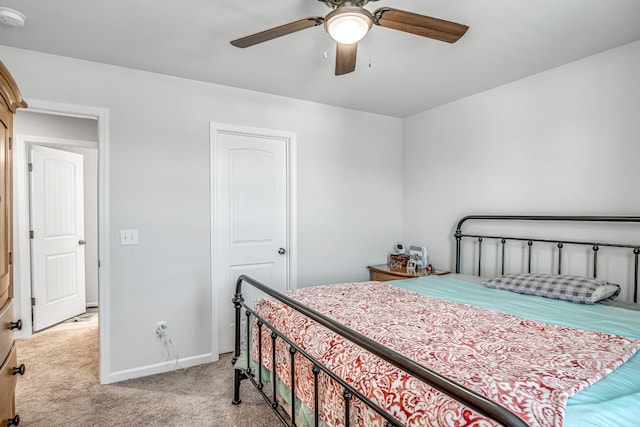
[(348, 27)]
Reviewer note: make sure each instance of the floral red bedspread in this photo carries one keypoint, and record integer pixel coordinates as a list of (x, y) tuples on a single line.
[(530, 367)]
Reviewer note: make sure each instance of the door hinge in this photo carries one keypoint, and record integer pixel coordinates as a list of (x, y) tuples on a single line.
[(10, 143), (30, 167), (31, 234), (33, 301), (10, 258)]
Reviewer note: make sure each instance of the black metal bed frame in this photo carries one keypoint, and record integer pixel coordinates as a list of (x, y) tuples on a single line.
[(468, 397), (595, 246)]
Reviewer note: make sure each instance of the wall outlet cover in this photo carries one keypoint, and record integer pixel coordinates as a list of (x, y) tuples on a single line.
[(128, 237)]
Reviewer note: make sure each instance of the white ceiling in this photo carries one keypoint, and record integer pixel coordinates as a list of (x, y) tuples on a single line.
[(397, 74)]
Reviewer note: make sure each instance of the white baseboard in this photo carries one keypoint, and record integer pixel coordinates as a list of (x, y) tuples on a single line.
[(22, 335), (160, 368)]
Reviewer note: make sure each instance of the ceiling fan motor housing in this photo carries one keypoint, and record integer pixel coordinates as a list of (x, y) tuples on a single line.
[(337, 3)]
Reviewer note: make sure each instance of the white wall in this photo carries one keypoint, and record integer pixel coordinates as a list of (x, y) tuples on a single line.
[(56, 126), (561, 142), (159, 172)]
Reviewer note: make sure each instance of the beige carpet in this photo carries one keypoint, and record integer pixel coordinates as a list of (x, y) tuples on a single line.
[(61, 388)]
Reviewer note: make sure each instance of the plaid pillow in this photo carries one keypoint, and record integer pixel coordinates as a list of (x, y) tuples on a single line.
[(583, 290)]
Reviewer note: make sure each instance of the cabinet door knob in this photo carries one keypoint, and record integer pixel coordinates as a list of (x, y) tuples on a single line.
[(16, 325), (82, 242), (13, 421), (19, 369), (282, 251)]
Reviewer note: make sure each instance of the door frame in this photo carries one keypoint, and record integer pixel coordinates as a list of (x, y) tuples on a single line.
[(22, 260), (290, 140)]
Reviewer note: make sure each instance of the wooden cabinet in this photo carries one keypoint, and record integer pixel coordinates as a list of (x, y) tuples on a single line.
[(10, 101), (8, 376), (384, 273)]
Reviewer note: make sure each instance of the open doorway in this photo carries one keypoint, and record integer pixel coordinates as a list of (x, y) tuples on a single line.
[(60, 202), (37, 133), (87, 134)]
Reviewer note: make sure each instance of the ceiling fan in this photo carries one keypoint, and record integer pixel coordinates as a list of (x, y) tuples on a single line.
[(349, 22)]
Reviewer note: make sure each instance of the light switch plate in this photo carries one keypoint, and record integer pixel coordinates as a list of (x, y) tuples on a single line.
[(128, 237)]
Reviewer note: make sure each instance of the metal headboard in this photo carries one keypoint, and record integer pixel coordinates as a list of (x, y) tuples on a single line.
[(595, 246)]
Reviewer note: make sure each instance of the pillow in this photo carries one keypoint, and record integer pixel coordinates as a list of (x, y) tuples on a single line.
[(583, 290)]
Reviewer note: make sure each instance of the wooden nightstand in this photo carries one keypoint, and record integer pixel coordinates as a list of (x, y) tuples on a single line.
[(383, 273)]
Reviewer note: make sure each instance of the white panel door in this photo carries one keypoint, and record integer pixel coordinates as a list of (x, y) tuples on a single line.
[(250, 219), (57, 244)]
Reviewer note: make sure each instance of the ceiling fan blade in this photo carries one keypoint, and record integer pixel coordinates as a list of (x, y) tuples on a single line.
[(346, 55), (420, 25), (276, 32)]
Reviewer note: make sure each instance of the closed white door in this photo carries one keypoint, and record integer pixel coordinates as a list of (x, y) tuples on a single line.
[(250, 231), (57, 244)]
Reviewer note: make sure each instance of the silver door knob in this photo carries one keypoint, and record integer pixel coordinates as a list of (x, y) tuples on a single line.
[(282, 251), (82, 242)]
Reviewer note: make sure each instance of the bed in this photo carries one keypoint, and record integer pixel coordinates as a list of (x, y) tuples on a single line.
[(450, 350)]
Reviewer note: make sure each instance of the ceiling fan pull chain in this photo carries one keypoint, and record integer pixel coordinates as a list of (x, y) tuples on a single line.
[(367, 48)]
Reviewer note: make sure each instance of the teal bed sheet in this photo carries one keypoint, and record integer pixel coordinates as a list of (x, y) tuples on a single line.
[(613, 401)]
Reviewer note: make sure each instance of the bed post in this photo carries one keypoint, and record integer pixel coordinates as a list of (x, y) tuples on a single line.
[(237, 373), (458, 236), (636, 252)]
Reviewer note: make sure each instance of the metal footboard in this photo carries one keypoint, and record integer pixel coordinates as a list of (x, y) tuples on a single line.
[(468, 397)]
